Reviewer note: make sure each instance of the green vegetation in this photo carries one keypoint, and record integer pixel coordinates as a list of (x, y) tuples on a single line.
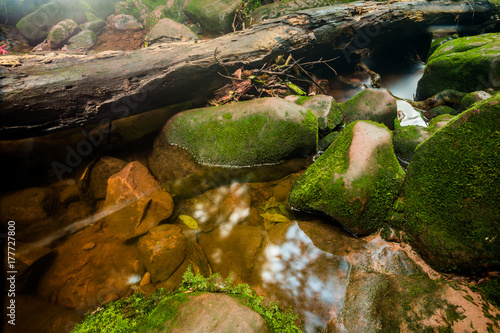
[(451, 192), (465, 64), (138, 313), (362, 205), (491, 291)]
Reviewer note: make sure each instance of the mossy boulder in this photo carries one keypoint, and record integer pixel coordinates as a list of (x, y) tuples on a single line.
[(325, 142), (473, 97), (375, 105), (395, 303), (325, 108), (95, 26), (61, 32), (451, 192), (103, 8), (407, 138), (256, 132), (205, 312), (466, 64), (440, 110), (213, 15), (355, 181), (14, 10), (167, 30), (82, 41), (36, 25), (124, 22)]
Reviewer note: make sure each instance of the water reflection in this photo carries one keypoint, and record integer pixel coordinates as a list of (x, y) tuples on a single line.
[(298, 273)]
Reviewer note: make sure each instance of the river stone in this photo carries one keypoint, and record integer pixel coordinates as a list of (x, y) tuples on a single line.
[(83, 279), (407, 138), (170, 31), (208, 313), (61, 32), (440, 110), (325, 142), (124, 22), (103, 8), (135, 202), (375, 105), (30, 205), (95, 26), (451, 192), (473, 97), (99, 175), (256, 132), (355, 181), (395, 303), (82, 41), (466, 64), (162, 251), (31, 261), (213, 15), (325, 108), (36, 25)]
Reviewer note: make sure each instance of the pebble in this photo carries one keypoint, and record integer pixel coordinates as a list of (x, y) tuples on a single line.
[(88, 246)]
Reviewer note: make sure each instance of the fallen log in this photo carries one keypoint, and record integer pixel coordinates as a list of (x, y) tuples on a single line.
[(45, 94)]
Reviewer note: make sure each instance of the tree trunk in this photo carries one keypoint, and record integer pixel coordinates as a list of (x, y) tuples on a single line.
[(44, 95)]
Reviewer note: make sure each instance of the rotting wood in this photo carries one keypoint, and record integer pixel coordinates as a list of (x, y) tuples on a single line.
[(42, 96)]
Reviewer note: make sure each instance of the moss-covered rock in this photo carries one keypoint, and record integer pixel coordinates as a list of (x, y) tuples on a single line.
[(395, 303), (256, 132), (451, 192), (14, 10), (375, 105), (465, 64), (325, 108), (325, 142), (355, 181), (82, 41), (61, 32), (103, 8), (213, 15), (473, 97), (36, 25), (167, 30), (124, 22), (407, 138), (95, 26), (440, 110)]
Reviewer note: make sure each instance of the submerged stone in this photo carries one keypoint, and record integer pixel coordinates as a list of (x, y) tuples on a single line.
[(213, 15), (355, 181), (325, 108), (465, 64), (162, 251), (135, 202), (256, 132), (451, 192)]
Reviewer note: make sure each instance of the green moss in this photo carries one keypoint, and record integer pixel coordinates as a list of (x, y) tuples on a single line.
[(158, 312), (440, 110), (452, 194), (362, 206), (491, 291), (406, 139), (215, 137), (465, 64)]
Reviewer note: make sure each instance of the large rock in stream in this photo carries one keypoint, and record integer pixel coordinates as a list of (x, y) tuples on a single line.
[(451, 192), (257, 132), (355, 181), (464, 64)]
